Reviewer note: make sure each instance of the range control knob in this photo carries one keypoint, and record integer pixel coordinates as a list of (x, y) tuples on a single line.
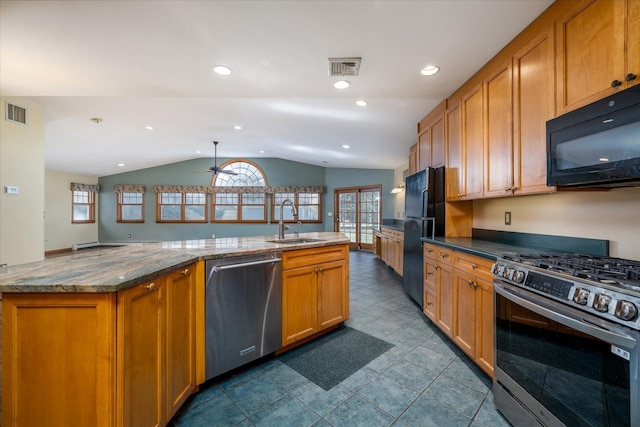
[(626, 310), (580, 296), (518, 276), (508, 271), (601, 302)]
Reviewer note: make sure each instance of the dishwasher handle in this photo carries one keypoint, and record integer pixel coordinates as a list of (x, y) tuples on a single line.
[(245, 264)]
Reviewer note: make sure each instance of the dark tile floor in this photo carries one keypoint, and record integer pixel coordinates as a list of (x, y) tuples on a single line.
[(424, 380)]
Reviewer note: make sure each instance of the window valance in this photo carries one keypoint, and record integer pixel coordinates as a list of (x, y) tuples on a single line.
[(238, 189), (90, 188), (128, 189)]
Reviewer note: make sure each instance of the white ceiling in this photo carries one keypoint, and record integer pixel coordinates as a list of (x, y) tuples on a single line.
[(149, 63)]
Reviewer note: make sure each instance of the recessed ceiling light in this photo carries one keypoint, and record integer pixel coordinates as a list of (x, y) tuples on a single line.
[(120, 164), (346, 146), (603, 159), (429, 70), (261, 151), (237, 127), (148, 127), (222, 70), (341, 84), (361, 103), (198, 152), (96, 119)]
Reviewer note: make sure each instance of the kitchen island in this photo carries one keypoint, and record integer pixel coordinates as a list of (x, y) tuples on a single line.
[(116, 336)]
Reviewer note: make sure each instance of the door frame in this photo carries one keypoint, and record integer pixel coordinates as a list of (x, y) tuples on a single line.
[(357, 245)]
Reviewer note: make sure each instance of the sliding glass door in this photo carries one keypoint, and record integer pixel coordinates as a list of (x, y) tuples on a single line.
[(358, 214)]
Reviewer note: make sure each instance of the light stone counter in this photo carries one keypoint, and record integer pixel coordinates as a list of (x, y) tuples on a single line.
[(114, 269)]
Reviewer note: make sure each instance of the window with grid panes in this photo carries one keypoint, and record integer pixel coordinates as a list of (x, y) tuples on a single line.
[(83, 207), (308, 205), (181, 207), (130, 207), (238, 206)]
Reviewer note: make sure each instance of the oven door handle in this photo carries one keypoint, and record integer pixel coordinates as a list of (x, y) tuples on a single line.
[(610, 337)]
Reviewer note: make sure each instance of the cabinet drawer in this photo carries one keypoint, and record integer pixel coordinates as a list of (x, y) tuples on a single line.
[(313, 256), (440, 254), (430, 274), (430, 304), (394, 234), (478, 266)]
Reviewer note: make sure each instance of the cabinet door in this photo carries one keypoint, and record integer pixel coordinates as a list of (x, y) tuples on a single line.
[(141, 332), (430, 304), (484, 326), (445, 314), (384, 249), (591, 52), (61, 342), (455, 168), (464, 331), (534, 104), (437, 132), (473, 145), (413, 159), (498, 161), (424, 150), (332, 293), (180, 339), (399, 255), (299, 303)]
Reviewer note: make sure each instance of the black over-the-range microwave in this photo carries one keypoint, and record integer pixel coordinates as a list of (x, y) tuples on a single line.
[(597, 145)]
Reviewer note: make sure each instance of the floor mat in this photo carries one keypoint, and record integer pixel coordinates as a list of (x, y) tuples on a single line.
[(331, 359)]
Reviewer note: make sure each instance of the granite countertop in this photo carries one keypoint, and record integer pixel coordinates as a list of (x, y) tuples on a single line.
[(118, 268), (482, 248), (393, 227)]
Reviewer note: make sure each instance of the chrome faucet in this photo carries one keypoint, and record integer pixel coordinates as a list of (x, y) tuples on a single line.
[(281, 225)]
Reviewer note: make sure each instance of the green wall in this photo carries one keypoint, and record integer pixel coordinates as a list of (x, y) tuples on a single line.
[(277, 171)]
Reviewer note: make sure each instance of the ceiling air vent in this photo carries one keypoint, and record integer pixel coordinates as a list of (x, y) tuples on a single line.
[(344, 66), (16, 114)]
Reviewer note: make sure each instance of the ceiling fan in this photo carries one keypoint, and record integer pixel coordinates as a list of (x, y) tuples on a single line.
[(215, 169)]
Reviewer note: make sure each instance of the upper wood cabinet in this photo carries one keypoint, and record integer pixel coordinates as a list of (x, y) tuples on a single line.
[(431, 139), (413, 159), (533, 105), (454, 180), (598, 51), (498, 132), (472, 117)]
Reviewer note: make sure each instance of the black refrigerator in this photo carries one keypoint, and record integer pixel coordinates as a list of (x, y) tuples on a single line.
[(424, 206)]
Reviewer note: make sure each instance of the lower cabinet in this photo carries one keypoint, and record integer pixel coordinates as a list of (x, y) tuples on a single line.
[(315, 291), (460, 285), (392, 248), (156, 348), (124, 359)]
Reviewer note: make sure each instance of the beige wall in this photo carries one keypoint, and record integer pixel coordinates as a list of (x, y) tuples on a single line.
[(611, 215), (22, 165), (60, 233)]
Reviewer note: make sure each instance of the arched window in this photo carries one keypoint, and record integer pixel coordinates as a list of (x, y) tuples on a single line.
[(246, 199)]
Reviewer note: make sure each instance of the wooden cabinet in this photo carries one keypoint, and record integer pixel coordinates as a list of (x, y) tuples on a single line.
[(437, 286), (125, 358), (498, 132), (392, 248), (598, 50), (62, 339), (413, 159), (431, 139), (458, 292), (473, 308), (465, 145), (156, 348), (533, 105), (472, 116), (315, 291)]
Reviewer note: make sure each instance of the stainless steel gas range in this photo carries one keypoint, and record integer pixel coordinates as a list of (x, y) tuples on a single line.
[(567, 329)]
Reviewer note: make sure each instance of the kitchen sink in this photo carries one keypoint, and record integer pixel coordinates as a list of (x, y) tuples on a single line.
[(294, 240)]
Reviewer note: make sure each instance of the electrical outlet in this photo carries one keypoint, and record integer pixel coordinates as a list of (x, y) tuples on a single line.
[(507, 218)]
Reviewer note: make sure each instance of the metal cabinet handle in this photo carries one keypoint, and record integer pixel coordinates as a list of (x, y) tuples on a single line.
[(474, 266), (429, 251), (444, 255), (472, 283), (185, 271), (150, 286), (630, 77), (436, 267), (616, 83), (430, 273)]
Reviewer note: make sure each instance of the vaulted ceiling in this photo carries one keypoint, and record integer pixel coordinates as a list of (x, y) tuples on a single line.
[(138, 64)]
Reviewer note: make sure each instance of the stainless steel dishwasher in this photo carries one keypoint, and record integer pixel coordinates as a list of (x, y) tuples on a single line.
[(243, 310)]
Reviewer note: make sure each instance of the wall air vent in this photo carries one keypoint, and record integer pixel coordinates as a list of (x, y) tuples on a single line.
[(16, 114), (344, 66)]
